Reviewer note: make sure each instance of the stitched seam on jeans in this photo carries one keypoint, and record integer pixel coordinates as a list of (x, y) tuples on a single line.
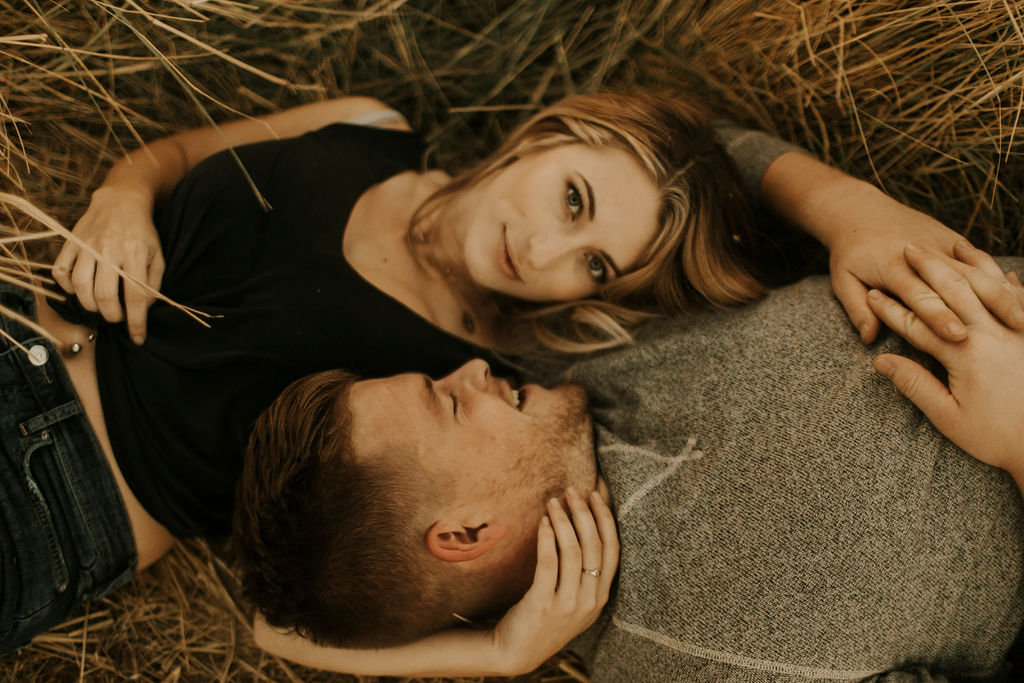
[(58, 565), (741, 660), (61, 455)]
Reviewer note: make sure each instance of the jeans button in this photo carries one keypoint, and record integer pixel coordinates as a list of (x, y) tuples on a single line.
[(38, 355)]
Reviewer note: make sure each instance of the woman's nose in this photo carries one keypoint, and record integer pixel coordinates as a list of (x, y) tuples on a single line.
[(547, 248)]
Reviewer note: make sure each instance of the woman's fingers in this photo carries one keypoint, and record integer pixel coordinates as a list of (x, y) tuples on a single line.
[(609, 542), (966, 252), (570, 556), (588, 536), (136, 300), (63, 266), (106, 284), (82, 279), (545, 576), (852, 294), (1000, 293)]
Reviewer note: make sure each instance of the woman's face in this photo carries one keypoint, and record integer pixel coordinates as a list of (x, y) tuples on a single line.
[(557, 224)]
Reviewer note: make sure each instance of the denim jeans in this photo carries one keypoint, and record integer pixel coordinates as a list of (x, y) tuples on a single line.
[(65, 536)]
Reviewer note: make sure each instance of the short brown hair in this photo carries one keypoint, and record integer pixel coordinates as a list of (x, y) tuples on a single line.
[(305, 510), (700, 253), (330, 544)]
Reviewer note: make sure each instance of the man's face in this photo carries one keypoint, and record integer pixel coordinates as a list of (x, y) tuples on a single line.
[(478, 438)]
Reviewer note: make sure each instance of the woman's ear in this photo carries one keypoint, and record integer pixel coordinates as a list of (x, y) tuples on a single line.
[(459, 543)]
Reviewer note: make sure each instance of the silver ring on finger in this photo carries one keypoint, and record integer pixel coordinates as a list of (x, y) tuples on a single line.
[(592, 572)]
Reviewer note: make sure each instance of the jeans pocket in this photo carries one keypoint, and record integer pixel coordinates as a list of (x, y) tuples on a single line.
[(39, 446), (34, 577)]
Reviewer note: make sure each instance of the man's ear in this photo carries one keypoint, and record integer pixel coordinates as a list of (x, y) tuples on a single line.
[(456, 542)]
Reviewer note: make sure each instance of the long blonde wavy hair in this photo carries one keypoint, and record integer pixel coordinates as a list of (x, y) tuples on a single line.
[(705, 224)]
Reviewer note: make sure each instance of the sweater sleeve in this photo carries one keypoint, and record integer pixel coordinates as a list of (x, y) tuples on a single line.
[(752, 151)]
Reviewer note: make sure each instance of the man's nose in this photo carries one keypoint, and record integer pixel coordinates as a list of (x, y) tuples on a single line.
[(474, 374)]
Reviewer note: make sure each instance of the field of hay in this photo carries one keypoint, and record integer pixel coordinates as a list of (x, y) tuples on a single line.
[(923, 98)]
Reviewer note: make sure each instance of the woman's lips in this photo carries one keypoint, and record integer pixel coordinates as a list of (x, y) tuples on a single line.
[(506, 259)]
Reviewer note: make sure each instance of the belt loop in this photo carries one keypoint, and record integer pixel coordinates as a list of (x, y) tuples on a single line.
[(50, 417)]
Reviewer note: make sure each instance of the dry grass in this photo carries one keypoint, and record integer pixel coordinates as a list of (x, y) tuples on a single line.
[(924, 98)]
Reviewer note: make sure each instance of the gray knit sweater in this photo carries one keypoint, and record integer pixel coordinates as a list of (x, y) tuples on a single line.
[(785, 515)]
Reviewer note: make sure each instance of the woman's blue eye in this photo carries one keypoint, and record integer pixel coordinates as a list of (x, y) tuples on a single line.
[(574, 199), (596, 268)]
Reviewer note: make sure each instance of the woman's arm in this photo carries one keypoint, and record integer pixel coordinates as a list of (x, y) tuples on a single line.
[(117, 231), (865, 231), (562, 602), (981, 406)]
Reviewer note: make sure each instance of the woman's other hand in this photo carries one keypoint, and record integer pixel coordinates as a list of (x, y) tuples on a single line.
[(982, 408), (576, 563), (118, 233), (118, 225), (866, 231)]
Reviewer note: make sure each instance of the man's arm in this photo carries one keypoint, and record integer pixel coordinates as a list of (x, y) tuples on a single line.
[(982, 408), (864, 229)]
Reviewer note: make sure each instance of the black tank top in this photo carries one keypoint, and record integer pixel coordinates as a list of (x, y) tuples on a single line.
[(179, 409)]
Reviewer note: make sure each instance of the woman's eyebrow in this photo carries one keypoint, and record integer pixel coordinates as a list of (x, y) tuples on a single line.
[(591, 206), (611, 264)]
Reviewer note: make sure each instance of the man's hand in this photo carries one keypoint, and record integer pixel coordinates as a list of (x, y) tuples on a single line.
[(570, 586), (866, 231), (118, 227), (982, 409)]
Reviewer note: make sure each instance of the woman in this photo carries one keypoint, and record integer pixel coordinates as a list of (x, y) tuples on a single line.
[(328, 246), (167, 403)]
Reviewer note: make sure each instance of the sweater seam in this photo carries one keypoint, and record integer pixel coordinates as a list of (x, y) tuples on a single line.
[(742, 660)]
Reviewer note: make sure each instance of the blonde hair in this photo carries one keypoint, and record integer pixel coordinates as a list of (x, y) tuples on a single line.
[(704, 221)]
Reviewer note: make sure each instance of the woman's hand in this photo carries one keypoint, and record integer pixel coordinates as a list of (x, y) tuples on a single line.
[(866, 231), (868, 253), (563, 601), (575, 569), (118, 233), (982, 409)]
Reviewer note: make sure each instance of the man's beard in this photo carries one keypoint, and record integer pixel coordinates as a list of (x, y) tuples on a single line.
[(568, 446)]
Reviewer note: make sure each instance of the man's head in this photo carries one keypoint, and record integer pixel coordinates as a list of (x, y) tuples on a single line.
[(370, 511)]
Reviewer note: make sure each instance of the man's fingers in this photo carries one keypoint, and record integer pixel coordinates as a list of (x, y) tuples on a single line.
[(852, 294), (950, 287), (905, 323), (922, 388), (929, 306)]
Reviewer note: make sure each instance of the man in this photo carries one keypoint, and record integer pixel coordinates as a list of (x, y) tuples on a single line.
[(784, 514)]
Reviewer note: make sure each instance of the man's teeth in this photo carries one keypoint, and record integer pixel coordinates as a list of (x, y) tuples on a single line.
[(515, 397)]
